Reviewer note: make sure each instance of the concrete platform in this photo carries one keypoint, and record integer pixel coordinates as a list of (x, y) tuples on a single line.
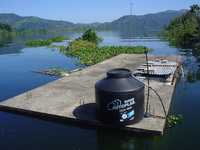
[(72, 98)]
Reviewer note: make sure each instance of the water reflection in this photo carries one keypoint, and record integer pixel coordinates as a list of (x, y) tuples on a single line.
[(193, 76), (12, 48), (5, 39), (12, 44), (16, 77), (114, 140), (191, 66)]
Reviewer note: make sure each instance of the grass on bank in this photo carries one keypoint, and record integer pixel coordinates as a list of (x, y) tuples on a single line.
[(36, 43), (91, 56)]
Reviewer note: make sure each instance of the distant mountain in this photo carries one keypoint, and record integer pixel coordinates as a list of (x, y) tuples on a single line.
[(10, 19), (149, 24), (33, 23), (146, 25)]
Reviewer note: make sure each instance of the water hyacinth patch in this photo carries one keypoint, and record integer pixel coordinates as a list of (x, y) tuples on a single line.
[(91, 56)]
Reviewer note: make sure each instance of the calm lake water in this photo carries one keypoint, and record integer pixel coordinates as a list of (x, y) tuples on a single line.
[(17, 64)]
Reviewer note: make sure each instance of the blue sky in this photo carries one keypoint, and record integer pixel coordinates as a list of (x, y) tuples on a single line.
[(85, 11)]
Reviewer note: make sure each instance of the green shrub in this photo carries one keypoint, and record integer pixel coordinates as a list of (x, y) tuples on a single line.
[(184, 31), (91, 36)]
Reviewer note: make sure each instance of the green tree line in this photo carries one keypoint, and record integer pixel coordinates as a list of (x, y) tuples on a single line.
[(184, 31)]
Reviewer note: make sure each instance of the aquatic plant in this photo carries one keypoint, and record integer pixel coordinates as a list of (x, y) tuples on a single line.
[(173, 120), (91, 56), (80, 44), (57, 72)]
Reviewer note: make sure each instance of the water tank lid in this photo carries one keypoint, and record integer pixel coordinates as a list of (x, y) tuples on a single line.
[(119, 73)]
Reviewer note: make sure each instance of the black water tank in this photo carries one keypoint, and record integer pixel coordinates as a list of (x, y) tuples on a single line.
[(120, 98)]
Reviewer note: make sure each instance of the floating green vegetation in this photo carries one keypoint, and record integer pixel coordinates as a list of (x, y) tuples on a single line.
[(81, 44), (36, 43), (173, 120), (91, 56), (89, 53), (54, 72)]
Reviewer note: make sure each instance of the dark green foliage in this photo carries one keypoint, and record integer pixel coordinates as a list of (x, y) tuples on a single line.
[(184, 31), (91, 36), (5, 27), (89, 56), (89, 40), (47, 42), (195, 9)]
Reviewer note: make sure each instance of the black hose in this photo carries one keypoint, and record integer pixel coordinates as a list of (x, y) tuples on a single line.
[(161, 101), (148, 92)]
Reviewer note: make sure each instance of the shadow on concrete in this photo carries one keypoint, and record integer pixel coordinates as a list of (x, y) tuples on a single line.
[(86, 112)]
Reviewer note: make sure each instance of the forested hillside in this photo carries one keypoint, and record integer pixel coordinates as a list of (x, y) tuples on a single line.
[(184, 31)]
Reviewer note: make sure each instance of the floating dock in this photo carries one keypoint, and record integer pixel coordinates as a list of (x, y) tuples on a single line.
[(72, 98)]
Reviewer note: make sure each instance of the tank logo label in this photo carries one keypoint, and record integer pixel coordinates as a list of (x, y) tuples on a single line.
[(117, 104)]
